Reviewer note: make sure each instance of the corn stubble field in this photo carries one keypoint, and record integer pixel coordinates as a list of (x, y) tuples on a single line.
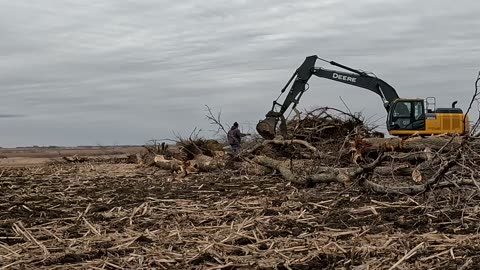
[(116, 215)]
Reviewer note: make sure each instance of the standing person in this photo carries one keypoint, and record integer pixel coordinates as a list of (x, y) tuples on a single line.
[(234, 138)]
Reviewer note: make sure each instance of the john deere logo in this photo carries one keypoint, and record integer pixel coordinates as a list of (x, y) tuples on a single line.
[(344, 77)]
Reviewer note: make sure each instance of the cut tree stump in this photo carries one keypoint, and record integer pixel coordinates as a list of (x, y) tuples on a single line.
[(173, 165)]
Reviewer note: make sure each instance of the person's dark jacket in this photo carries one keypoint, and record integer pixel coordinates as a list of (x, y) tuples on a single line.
[(234, 136)]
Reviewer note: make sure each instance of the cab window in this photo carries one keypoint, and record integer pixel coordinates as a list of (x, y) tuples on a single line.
[(408, 115), (402, 109), (418, 110)]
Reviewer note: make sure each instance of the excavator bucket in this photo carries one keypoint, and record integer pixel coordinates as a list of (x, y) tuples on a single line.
[(266, 128)]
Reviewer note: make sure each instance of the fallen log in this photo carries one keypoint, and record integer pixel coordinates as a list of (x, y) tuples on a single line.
[(281, 166), (435, 143), (200, 163), (315, 153), (344, 176), (413, 157), (204, 163), (173, 165), (425, 169), (248, 167), (414, 189)]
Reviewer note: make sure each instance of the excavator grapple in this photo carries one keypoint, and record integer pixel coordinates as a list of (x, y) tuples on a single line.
[(266, 128)]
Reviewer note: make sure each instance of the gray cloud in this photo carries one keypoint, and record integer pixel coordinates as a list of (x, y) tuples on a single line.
[(87, 72), (11, 115)]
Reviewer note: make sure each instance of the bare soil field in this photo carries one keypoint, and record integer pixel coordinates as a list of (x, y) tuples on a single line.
[(21, 157), (127, 216)]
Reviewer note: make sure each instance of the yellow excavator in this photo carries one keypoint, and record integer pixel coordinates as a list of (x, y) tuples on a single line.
[(406, 116)]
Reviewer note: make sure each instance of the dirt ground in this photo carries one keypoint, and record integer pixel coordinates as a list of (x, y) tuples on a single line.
[(126, 216), (21, 157)]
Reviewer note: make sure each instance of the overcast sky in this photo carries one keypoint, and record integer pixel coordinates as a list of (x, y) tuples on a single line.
[(123, 72)]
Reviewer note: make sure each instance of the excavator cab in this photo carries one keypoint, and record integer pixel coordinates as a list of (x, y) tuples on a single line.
[(407, 114), (415, 116)]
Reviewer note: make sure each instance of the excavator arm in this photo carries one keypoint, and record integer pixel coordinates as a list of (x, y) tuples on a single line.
[(387, 93)]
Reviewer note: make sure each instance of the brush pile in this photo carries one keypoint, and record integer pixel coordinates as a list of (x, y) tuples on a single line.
[(328, 123)]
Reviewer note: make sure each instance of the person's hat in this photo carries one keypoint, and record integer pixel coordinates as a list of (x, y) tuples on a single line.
[(235, 124)]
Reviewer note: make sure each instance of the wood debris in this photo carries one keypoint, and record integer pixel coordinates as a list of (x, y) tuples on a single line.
[(328, 197)]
